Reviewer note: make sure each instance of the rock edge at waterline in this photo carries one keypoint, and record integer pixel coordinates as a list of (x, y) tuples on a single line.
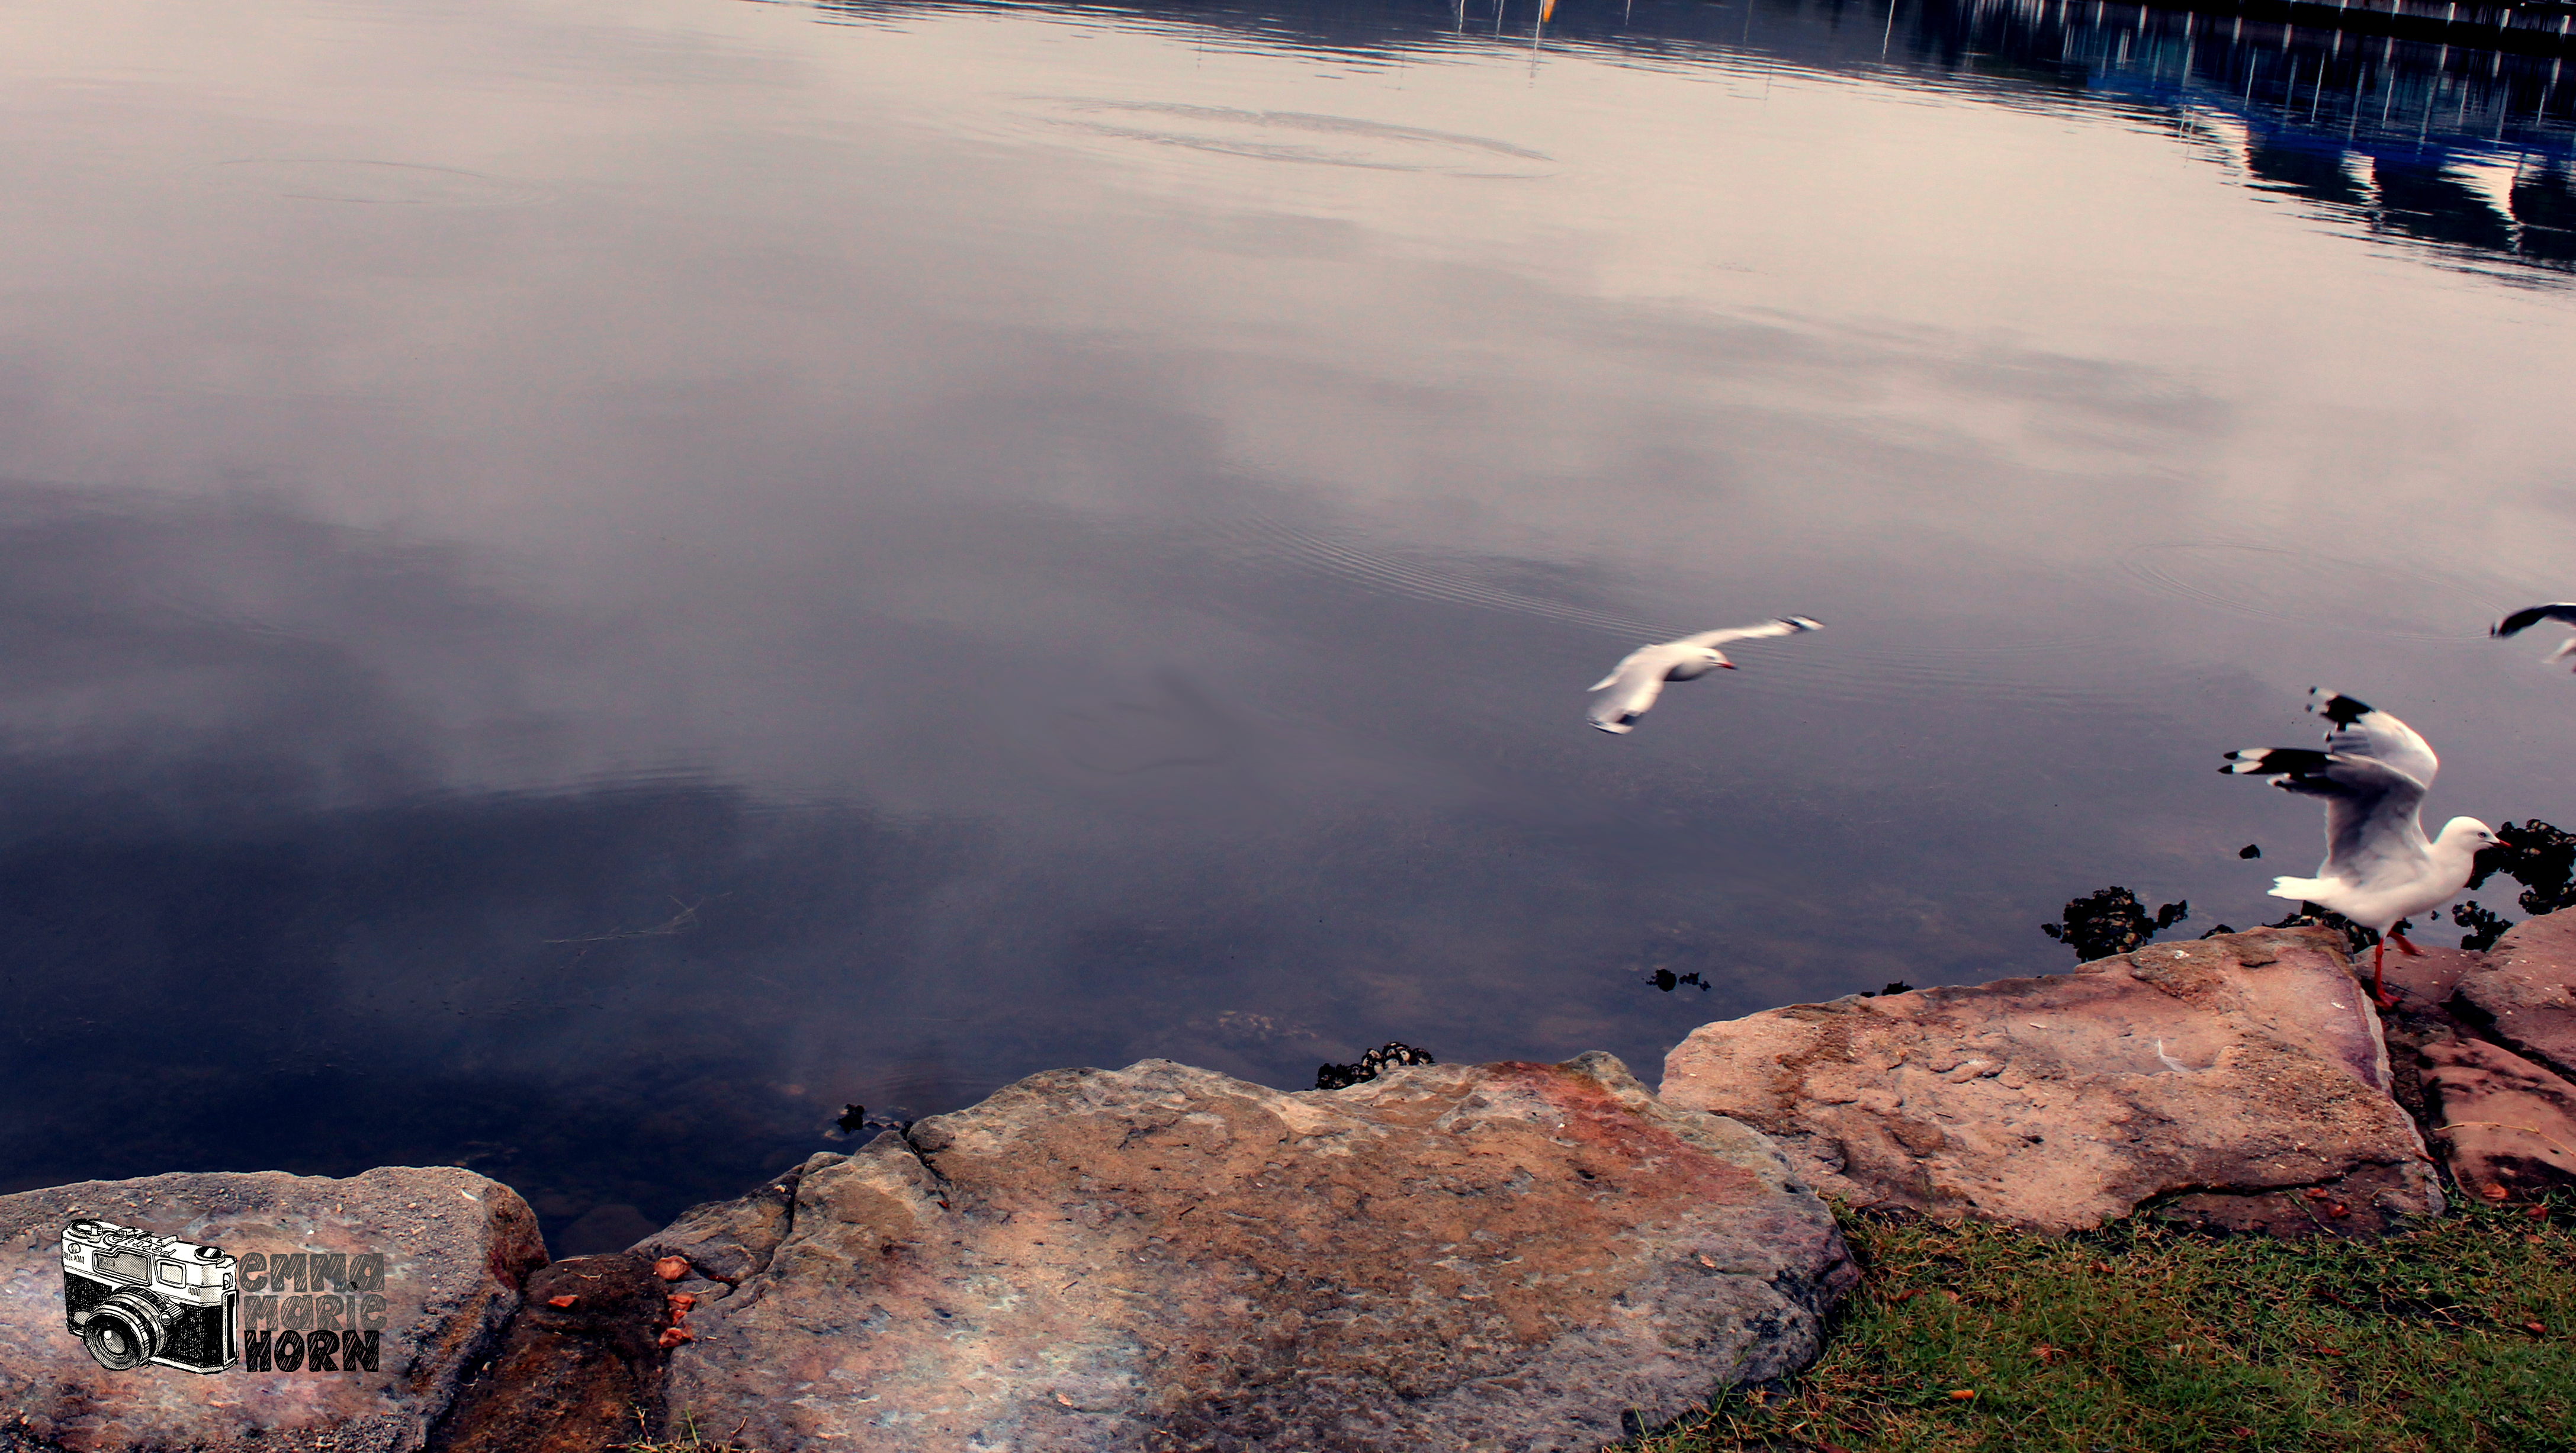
[(2240, 1081), (1506, 1256)]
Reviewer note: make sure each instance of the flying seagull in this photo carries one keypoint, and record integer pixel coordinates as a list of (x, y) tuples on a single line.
[(2532, 615), (1638, 679), (2379, 868)]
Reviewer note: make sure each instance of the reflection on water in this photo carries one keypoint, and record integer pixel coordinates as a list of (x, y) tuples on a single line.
[(586, 587), (2450, 146), (1295, 137), (320, 179), (2399, 133)]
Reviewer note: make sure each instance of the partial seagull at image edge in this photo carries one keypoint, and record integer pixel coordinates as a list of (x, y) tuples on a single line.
[(2524, 619), (2379, 867), (1640, 676)]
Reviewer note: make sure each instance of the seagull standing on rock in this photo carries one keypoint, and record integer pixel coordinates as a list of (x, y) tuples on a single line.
[(2379, 868), (1639, 678), (2532, 615)]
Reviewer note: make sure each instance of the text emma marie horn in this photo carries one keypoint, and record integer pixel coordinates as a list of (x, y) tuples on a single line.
[(313, 1311)]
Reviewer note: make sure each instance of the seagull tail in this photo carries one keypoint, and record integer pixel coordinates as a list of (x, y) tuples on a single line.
[(2301, 889), (1603, 682)]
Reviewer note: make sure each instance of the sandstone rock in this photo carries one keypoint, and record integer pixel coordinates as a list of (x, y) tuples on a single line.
[(2424, 985), (1510, 1256), (456, 1249), (570, 1378), (2236, 1066), (725, 1241), (2426, 979), (2526, 993), (2506, 1126)]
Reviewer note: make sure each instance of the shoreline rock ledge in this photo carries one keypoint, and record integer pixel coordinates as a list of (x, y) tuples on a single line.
[(2237, 1082), (386, 1286), (1508, 1256), (1520, 1258)]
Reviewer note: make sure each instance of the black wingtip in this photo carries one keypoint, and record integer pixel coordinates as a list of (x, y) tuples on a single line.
[(2281, 765), (2532, 615)]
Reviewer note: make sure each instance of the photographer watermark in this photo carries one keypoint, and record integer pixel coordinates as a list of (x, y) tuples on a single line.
[(134, 1297), (331, 1322)]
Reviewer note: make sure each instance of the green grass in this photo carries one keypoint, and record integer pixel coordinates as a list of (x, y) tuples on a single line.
[(685, 1438), (2143, 1339)]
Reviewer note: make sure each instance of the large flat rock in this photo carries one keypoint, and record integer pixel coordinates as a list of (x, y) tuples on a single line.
[(2505, 1126), (455, 1247), (2525, 993), (2240, 1066), (1504, 1257)]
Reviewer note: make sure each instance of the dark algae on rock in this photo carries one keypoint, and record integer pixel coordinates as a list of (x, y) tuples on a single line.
[(2111, 921), (1386, 1056), (2535, 854)]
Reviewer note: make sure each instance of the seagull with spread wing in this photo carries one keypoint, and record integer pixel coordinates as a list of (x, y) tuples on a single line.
[(2379, 868), (1636, 681), (2532, 615)]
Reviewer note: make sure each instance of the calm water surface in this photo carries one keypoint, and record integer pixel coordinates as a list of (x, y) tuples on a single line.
[(583, 584)]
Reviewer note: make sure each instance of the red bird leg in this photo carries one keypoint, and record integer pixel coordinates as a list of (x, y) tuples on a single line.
[(2408, 949), (2378, 953)]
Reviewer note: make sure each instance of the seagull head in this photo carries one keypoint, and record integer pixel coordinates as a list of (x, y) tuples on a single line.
[(2466, 832), (1696, 662)]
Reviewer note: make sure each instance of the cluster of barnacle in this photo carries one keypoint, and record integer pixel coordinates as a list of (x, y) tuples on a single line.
[(1385, 1056)]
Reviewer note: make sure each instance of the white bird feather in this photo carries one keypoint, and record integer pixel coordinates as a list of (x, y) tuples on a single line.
[(1639, 677), (2379, 868)]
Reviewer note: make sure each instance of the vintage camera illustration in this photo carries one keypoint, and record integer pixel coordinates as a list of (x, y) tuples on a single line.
[(133, 1297)]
